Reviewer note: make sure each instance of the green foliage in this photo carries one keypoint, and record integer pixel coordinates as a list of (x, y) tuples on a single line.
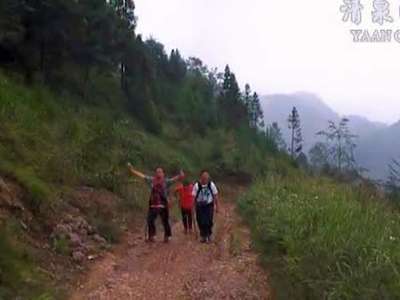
[(17, 274), (324, 240)]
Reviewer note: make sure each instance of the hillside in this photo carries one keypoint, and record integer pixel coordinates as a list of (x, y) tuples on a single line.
[(60, 160), (82, 95)]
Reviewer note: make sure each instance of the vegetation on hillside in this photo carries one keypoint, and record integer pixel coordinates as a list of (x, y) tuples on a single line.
[(81, 94), (324, 240)]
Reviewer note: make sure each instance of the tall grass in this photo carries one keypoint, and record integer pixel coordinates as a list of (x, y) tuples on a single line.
[(324, 240)]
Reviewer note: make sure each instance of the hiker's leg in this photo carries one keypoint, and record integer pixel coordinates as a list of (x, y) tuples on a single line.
[(184, 219), (164, 213), (190, 219), (211, 219), (151, 218), (201, 220)]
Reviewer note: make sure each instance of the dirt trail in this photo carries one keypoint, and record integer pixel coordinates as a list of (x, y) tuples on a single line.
[(182, 269)]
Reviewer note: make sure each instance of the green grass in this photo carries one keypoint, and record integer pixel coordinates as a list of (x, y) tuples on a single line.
[(324, 240)]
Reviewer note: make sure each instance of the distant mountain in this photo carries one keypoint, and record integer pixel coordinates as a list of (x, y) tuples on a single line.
[(314, 114), (376, 151), (377, 142), (363, 127)]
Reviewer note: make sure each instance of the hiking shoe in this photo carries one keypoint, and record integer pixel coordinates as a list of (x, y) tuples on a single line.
[(203, 240), (151, 239), (209, 240), (167, 239)]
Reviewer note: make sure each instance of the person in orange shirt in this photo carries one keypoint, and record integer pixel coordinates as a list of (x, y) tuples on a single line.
[(184, 193)]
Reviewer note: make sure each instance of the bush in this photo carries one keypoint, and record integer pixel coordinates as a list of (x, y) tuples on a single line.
[(324, 240)]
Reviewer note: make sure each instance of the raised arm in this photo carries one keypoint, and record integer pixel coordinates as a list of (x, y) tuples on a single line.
[(135, 172), (180, 176)]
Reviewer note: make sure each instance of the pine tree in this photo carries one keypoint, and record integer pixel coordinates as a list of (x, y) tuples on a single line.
[(230, 100), (256, 113), (247, 98), (296, 139), (177, 66)]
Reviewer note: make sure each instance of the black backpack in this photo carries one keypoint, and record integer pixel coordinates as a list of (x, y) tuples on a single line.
[(200, 188)]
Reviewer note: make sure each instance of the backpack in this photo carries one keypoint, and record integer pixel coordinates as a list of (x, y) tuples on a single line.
[(200, 188), (157, 196)]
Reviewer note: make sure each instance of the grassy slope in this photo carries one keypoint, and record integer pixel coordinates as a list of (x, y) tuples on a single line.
[(51, 144), (324, 240)]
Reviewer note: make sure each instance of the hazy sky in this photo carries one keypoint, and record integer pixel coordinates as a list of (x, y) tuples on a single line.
[(284, 46)]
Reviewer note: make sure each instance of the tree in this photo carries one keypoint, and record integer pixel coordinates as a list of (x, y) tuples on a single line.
[(296, 139), (125, 10), (195, 65), (319, 156), (341, 144), (231, 105), (256, 114), (158, 56), (177, 66), (275, 133), (247, 98)]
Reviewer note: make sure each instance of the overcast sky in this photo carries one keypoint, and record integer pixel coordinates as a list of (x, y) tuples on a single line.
[(284, 46)]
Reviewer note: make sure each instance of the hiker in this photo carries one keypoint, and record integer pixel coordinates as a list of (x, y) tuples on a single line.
[(183, 192), (158, 203), (205, 194)]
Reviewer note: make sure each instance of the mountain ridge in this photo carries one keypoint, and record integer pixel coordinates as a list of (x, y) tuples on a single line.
[(314, 116)]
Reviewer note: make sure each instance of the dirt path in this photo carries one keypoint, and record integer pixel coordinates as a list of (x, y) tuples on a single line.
[(182, 269)]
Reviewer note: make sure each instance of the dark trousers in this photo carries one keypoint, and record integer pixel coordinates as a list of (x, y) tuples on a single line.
[(187, 218), (205, 216), (151, 221)]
